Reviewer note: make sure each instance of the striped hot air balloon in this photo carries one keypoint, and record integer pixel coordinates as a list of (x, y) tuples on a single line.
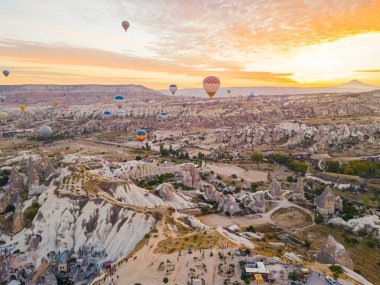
[(141, 135), (173, 88), (211, 85)]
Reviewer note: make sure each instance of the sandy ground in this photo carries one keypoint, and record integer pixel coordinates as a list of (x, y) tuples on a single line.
[(228, 170)]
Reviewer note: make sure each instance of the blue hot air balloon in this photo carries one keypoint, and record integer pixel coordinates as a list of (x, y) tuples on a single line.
[(164, 115), (107, 114), (119, 100)]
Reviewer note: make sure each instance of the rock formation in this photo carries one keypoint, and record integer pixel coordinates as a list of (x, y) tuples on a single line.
[(33, 183), (298, 192), (326, 202), (212, 194), (275, 189), (256, 201), (229, 205), (191, 177), (332, 252), (166, 192)]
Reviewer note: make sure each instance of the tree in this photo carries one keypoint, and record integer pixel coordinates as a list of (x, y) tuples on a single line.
[(318, 219), (10, 208), (165, 280), (256, 157)]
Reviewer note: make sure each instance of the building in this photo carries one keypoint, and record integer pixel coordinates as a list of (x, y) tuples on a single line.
[(62, 262), (256, 268)]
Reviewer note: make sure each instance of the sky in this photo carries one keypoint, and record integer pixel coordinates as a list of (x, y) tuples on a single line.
[(243, 42)]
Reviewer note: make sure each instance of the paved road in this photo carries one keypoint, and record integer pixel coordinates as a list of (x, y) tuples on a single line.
[(317, 279)]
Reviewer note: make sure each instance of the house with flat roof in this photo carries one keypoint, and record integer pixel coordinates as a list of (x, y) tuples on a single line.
[(256, 268)]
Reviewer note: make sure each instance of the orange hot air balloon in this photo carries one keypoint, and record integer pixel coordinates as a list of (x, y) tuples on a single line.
[(211, 85), (22, 107)]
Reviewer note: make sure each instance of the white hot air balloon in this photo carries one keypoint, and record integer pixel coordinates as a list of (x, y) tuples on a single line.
[(45, 132)]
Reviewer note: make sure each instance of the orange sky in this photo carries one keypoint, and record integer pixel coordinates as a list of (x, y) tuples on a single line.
[(245, 43)]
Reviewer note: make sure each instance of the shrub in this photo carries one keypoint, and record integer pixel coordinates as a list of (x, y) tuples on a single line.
[(165, 280), (318, 219)]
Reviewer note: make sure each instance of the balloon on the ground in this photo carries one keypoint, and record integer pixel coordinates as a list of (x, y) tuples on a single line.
[(6, 73), (2, 99), (164, 115), (125, 25), (3, 116), (45, 131), (107, 114), (22, 107), (173, 88), (119, 100), (211, 85), (141, 135)]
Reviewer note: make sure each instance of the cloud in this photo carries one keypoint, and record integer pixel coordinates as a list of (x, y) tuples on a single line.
[(61, 58), (368, 70)]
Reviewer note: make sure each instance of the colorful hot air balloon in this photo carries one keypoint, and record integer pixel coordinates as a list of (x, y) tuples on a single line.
[(173, 88), (141, 135), (211, 85), (3, 116), (45, 132), (107, 114), (164, 115), (125, 25), (119, 100), (6, 73), (2, 99), (120, 113), (55, 103), (22, 107)]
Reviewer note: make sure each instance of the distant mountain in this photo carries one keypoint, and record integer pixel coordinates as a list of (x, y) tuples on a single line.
[(71, 94), (352, 86), (356, 84)]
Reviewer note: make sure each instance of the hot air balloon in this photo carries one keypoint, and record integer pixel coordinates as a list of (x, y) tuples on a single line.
[(2, 99), (173, 88), (141, 135), (119, 100), (3, 116), (6, 73), (193, 97), (45, 132), (125, 25), (55, 103), (211, 85), (22, 107), (107, 114), (228, 91), (164, 115)]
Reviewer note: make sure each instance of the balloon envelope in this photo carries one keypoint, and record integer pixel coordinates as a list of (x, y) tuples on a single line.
[(55, 103), (107, 114), (22, 107), (173, 88), (141, 135), (164, 115), (3, 116), (211, 85), (2, 99), (6, 73), (125, 25), (45, 131)]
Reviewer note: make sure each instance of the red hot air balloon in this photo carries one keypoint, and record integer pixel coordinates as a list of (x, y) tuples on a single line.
[(211, 85)]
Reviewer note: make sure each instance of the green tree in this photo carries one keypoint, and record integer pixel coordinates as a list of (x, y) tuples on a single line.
[(256, 157), (165, 280)]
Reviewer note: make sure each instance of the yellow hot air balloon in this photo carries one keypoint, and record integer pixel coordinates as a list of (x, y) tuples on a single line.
[(22, 107), (55, 103)]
